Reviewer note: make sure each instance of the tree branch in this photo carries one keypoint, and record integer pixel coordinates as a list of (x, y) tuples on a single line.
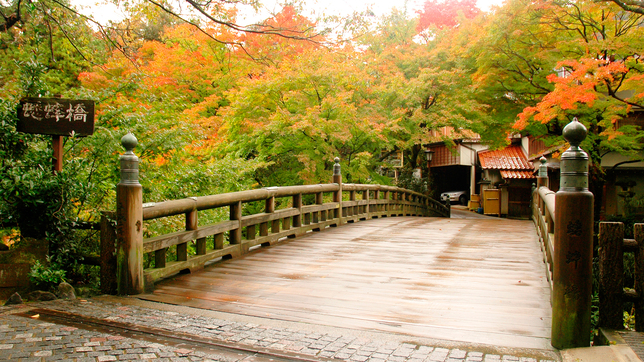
[(634, 6), (11, 20)]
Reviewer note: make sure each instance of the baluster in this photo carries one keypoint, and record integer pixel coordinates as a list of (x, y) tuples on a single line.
[(351, 211), (297, 219), (317, 216), (337, 195), (269, 208), (251, 232), (365, 207), (218, 241), (320, 201), (297, 203), (378, 207), (386, 206), (236, 215)]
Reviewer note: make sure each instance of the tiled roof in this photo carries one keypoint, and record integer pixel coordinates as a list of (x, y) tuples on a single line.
[(509, 158), (516, 174)]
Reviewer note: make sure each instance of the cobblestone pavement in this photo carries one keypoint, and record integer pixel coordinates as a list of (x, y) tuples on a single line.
[(31, 339)]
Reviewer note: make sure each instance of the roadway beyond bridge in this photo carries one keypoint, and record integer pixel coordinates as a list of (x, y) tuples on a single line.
[(470, 279)]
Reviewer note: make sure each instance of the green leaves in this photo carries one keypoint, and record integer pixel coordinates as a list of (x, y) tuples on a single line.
[(46, 277)]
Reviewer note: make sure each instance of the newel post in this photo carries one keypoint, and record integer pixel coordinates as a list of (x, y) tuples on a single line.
[(542, 175), (542, 180), (572, 274), (129, 219), (337, 196)]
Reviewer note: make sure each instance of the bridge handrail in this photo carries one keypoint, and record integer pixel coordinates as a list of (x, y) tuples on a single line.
[(548, 197), (543, 216), (181, 206), (123, 248), (378, 201)]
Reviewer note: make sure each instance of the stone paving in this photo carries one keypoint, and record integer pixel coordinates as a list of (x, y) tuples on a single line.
[(25, 339)]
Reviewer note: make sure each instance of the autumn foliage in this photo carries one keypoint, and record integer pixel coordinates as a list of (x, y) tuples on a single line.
[(445, 13)]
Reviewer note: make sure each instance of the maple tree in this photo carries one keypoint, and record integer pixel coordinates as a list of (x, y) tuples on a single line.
[(429, 84), (445, 14), (552, 61), (600, 82), (528, 44), (298, 116), (636, 6)]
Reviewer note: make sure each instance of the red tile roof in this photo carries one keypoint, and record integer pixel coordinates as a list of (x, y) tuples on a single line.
[(509, 158), (516, 174)]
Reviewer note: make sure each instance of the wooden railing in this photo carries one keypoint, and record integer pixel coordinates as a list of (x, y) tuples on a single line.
[(123, 246), (543, 215), (612, 293), (270, 226)]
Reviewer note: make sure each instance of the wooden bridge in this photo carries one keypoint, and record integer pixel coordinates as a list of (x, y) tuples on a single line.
[(466, 278), (404, 266)]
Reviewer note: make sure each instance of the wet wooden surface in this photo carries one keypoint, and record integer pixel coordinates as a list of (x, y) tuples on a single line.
[(475, 280)]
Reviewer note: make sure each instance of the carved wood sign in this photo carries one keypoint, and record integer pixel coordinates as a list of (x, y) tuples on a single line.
[(56, 116)]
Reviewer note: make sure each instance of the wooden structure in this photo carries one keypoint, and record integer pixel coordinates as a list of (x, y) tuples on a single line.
[(565, 222), (612, 294), (237, 235), (469, 278)]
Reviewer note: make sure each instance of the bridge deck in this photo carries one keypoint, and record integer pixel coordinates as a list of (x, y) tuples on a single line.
[(476, 280)]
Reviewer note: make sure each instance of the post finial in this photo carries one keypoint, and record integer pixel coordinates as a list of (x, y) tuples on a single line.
[(575, 132), (129, 142), (574, 161), (336, 167), (129, 161), (543, 168)]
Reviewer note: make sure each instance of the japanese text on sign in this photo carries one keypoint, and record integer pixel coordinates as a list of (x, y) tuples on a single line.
[(56, 116)]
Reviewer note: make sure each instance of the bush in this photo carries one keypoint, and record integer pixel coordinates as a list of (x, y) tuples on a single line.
[(46, 277)]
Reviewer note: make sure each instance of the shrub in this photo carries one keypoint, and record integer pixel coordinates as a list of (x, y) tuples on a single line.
[(46, 277)]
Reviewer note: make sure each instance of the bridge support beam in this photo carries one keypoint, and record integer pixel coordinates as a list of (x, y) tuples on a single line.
[(129, 222), (572, 271)]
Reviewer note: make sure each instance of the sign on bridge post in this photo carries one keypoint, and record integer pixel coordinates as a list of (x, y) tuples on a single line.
[(57, 117), (573, 254)]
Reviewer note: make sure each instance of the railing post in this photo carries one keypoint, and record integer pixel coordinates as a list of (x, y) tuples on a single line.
[(542, 180), (319, 216), (337, 196), (191, 224), (129, 221), (378, 207), (297, 203), (542, 175), (572, 274), (351, 212), (611, 275), (235, 236), (386, 203), (638, 234), (365, 208)]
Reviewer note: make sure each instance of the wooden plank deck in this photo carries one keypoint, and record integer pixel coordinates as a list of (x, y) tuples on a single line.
[(474, 280)]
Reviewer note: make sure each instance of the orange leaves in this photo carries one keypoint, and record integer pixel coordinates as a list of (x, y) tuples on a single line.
[(94, 80), (445, 13), (286, 34), (577, 83)]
